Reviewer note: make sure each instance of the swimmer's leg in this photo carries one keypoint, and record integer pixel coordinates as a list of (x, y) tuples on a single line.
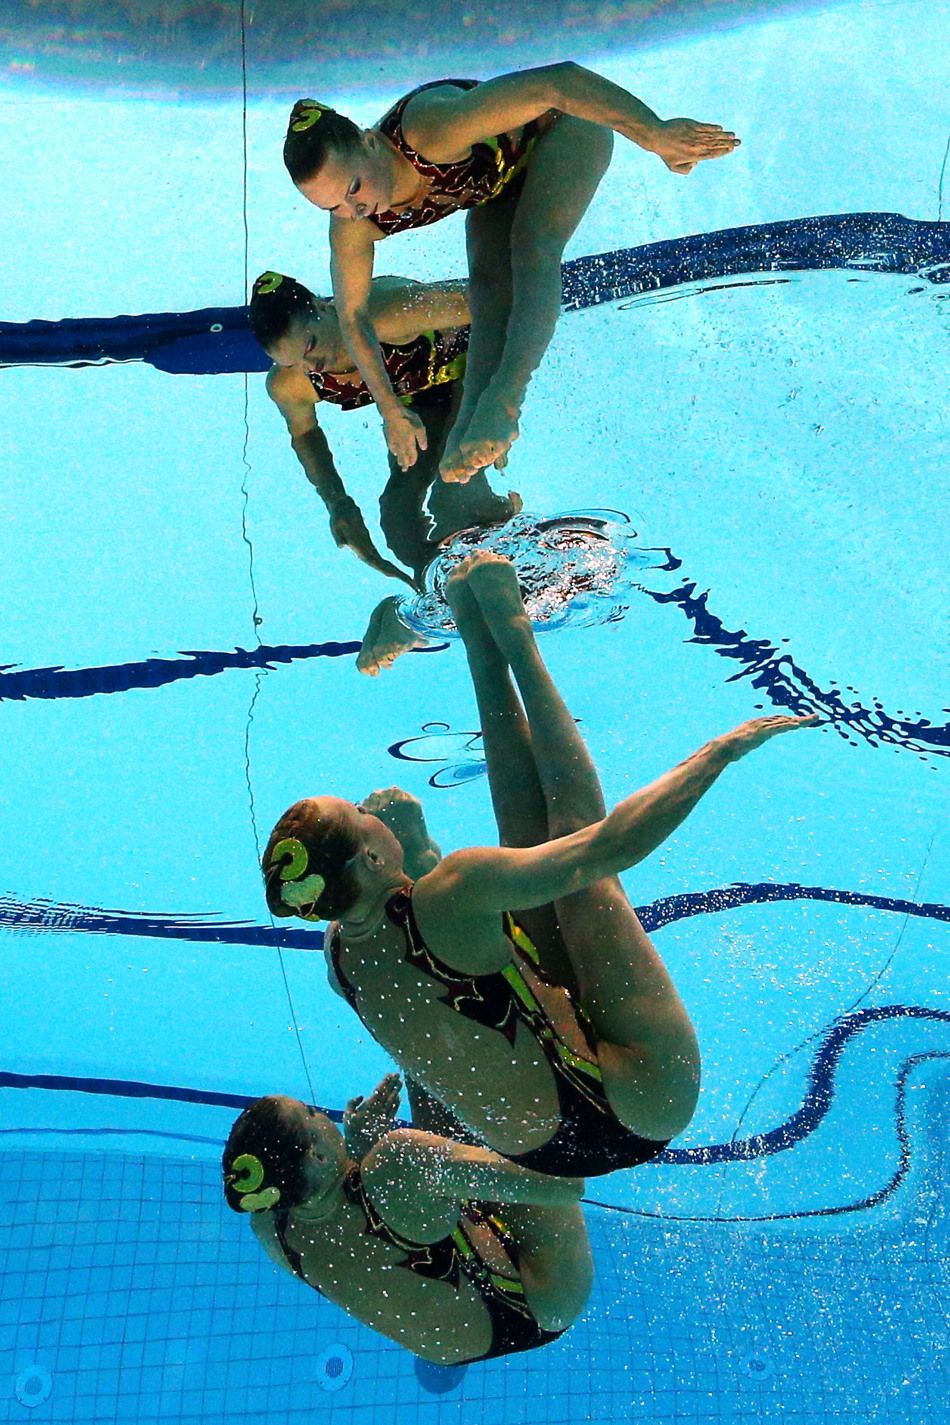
[(408, 527), (432, 1116), (646, 1045), (414, 526), (462, 506), (488, 243), (516, 792), (562, 176), (554, 1257)]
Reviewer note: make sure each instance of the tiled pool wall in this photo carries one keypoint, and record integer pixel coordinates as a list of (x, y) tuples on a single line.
[(129, 1293)]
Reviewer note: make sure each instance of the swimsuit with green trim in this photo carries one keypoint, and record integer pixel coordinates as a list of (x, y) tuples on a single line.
[(470, 182), (590, 1140), (433, 358), (514, 1327)]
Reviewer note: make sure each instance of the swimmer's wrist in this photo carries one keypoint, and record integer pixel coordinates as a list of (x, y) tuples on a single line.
[(722, 750), (646, 133)]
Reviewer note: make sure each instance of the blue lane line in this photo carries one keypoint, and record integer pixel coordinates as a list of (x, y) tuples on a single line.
[(43, 915), (819, 1093), (215, 340)]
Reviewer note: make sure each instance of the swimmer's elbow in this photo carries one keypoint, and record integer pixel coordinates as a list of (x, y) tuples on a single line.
[(559, 81)]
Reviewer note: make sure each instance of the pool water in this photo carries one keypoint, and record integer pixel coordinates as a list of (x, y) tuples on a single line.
[(759, 414)]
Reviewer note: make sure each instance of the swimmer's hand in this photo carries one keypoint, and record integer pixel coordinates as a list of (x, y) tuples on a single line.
[(366, 1120), (749, 735), (403, 814), (349, 532), (682, 143), (405, 436)]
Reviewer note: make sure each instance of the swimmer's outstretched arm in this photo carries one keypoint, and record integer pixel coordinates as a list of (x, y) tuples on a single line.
[(444, 124), (409, 1163), (489, 879)]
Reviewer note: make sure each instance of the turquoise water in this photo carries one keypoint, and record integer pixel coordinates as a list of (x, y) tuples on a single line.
[(178, 657)]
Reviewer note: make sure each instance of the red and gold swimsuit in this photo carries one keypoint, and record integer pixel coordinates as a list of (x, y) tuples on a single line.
[(469, 182), (433, 358)]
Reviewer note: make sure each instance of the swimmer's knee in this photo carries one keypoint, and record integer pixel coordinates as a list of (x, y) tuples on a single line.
[(559, 1301), (653, 1091)]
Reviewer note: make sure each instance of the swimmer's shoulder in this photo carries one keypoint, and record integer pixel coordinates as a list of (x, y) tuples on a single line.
[(425, 113), (293, 395), (289, 386), (333, 979), (265, 1230)]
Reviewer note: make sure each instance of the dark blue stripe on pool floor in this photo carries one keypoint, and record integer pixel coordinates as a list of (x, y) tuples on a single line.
[(45, 915), (819, 1095)]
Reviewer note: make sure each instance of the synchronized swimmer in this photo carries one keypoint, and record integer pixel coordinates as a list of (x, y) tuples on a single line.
[(395, 1227), (523, 154), (516, 984), (551, 1033), (423, 332)]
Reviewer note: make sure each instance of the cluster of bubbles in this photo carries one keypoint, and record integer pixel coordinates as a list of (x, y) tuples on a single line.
[(574, 569)]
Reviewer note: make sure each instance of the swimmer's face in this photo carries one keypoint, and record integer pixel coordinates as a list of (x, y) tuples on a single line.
[(377, 843), (353, 182), (327, 1149), (305, 343)]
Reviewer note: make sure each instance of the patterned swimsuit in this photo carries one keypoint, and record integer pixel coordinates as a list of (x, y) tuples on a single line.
[(451, 1258), (433, 359), (590, 1140), (467, 183)]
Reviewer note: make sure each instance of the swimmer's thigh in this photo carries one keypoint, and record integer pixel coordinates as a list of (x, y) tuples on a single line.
[(557, 1269), (563, 174)]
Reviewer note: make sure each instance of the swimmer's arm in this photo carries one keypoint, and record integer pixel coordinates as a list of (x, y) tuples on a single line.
[(293, 396), (493, 879), (402, 308), (443, 123), (410, 1165), (312, 449), (351, 267)]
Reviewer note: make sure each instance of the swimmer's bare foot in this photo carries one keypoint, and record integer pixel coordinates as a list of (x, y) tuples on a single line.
[(750, 735), (456, 468), (386, 637), (461, 600), (492, 510), (489, 435), (492, 580), (403, 814), (682, 143)]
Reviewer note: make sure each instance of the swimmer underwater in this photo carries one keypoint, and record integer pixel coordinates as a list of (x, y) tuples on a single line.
[(523, 154), (516, 983), (446, 1248), (423, 331)]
